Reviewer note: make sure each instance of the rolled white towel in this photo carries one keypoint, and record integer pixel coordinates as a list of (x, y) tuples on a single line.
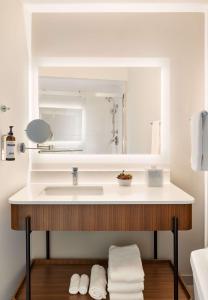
[(98, 282), (83, 284), (125, 264), (130, 296), (124, 287), (74, 284)]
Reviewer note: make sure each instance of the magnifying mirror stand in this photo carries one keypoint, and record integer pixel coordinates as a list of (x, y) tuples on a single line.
[(22, 147)]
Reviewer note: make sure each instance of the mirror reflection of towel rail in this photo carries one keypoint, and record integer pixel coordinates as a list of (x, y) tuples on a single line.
[(152, 123), (22, 147), (59, 150)]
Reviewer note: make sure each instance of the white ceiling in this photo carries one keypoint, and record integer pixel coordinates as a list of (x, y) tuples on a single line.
[(63, 6), (113, 1)]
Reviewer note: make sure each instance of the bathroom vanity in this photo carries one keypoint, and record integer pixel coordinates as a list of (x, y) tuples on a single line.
[(117, 116), (99, 208)]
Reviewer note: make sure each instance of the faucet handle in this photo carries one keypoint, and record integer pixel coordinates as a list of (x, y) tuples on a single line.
[(75, 176)]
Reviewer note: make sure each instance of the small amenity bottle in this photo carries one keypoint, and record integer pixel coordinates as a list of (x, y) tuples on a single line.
[(154, 177), (10, 145)]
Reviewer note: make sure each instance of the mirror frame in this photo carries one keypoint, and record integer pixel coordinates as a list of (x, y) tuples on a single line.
[(80, 159)]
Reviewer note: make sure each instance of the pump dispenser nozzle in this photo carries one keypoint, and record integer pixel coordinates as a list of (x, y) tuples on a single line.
[(10, 130)]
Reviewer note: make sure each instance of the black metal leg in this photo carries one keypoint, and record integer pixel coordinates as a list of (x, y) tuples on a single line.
[(175, 251), (47, 244), (155, 244), (28, 267)]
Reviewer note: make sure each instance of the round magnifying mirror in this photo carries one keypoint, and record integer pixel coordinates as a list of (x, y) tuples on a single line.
[(38, 131)]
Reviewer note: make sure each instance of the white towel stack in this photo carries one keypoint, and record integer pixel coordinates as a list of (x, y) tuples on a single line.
[(125, 273)]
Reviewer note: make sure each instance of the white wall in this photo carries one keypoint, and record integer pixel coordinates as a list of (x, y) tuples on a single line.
[(143, 107), (13, 175), (86, 73), (176, 36)]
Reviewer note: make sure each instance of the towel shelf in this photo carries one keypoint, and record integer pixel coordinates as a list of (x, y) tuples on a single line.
[(50, 279)]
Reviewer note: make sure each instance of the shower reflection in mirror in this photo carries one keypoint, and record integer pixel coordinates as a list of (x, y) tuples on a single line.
[(102, 110)]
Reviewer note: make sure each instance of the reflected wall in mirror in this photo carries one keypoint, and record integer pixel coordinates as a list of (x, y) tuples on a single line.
[(102, 110)]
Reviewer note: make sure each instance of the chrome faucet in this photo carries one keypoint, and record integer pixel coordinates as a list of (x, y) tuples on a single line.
[(75, 176)]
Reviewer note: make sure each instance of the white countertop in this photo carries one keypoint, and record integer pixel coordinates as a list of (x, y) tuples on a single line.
[(112, 194)]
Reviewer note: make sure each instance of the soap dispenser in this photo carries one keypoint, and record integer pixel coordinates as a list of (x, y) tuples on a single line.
[(10, 145)]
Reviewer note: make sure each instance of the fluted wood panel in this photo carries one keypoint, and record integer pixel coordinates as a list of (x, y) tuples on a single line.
[(101, 217)]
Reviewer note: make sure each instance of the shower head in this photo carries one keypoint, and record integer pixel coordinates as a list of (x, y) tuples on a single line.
[(109, 99)]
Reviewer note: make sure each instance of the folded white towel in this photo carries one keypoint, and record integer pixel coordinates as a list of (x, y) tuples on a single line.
[(74, 284), (130, 296), (125, 287), (199, 141), (98, 283), (83, 284), (125, 265)]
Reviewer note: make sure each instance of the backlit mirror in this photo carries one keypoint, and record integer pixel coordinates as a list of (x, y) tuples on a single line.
[(102, 110)]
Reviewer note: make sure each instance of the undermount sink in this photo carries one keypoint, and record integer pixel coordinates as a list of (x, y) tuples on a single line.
[(73, 190)]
